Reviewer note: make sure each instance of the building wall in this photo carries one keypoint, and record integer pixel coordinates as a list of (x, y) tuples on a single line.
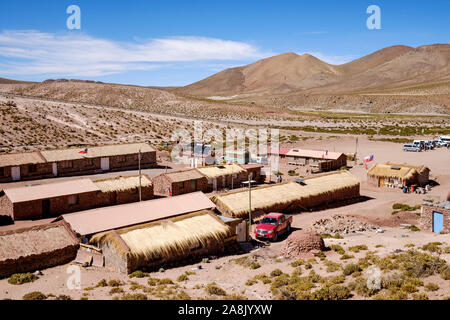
[(82, 166), (6, 207), (43, 170), (228, 181), (58, 206), (113, 259), (423, 178), (38, 262), (256, 174), (162, 184), (426, 218)]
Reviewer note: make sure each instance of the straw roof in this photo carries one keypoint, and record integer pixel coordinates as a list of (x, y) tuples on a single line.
[(50, 190), (212, 172), (166, 238), (95, 152), (122, 183), (184, 175), (17, 159), (34, 241), (285, 193), (404, 172)]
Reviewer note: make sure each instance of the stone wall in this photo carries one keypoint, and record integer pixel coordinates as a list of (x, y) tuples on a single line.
[(426, 218)]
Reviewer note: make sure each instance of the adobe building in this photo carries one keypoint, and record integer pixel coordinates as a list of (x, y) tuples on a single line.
[(322, 160), (255, 172), (69, 162), (228, 176), (48, 200), (397, 175), (75, 161), (435, 217), (36, 248), (53, 199), (121, 190), (179, 182), (24, 166)]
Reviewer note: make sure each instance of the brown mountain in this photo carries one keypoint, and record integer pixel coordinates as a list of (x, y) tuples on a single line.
[(390, 68)]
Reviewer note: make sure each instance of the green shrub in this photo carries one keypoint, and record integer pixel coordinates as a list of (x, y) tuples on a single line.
[(432, 247), (431, 287), (332, 266), (297, 263), (250, 282), (358, 248), (276, 273), (115, 290), (334, 292), (213, 289), (138, 274), (35, 295), (114, 283), (413, 228), (347, 256), (21, 278), (255, 265), (404, 207), (102, 283), (183, 277), (134, 296), (337, 248), (420, 296), (351, 268)]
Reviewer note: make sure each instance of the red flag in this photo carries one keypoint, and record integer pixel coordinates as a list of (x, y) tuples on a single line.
[(84, 151)]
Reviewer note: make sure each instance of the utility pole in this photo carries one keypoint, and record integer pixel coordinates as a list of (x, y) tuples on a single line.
[(356, 151), (140, 177), (249, 207)]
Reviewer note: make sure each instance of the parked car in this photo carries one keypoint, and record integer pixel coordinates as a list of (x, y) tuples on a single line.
[(272, 225), (410, 147)]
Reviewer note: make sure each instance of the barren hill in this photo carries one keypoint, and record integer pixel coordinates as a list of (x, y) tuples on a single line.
[(392, 67)]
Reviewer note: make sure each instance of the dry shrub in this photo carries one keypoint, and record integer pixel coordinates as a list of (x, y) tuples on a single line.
[(431, 287), (35, 295), (358, 248), (213, 289), (134, 296), (21, 278)]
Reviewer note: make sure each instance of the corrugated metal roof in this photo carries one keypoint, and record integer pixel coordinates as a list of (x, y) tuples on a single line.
[(17, 159), (95, 152), (314, 154), (110, 218), (50, 190)]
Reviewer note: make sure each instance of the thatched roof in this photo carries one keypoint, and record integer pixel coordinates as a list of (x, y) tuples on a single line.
[(166, 238), (218, 171), (398, 171), (50, 190), (36, 240), (266, 197), (95, 152), (17, 159), (122, 183), (184, 175)]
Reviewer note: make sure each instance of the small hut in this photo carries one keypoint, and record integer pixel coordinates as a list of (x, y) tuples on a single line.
[(179, 182), (397, 175), (121, 190), (36, 248), (290, 196), (163, 242)]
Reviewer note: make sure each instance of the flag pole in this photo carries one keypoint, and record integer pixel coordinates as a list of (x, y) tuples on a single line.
[(140, 177)]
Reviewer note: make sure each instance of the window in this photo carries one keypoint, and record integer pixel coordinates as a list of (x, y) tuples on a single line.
[(32, 168), (67, 164), (181, 185), (73, 200), (194, 184), (2, 172)]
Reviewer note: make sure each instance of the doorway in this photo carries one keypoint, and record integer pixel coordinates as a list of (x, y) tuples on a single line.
[(15, 173), (46, 208)]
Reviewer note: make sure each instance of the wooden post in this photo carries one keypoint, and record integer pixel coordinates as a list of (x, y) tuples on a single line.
[(140, 177), (249, 208)]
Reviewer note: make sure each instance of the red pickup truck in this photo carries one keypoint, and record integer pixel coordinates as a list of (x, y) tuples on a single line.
[(272, 225)]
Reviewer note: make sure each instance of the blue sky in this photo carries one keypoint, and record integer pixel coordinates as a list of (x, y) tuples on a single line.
[(179, 42)]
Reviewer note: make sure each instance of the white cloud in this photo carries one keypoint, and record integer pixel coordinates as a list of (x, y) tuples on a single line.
[(32, 52)]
